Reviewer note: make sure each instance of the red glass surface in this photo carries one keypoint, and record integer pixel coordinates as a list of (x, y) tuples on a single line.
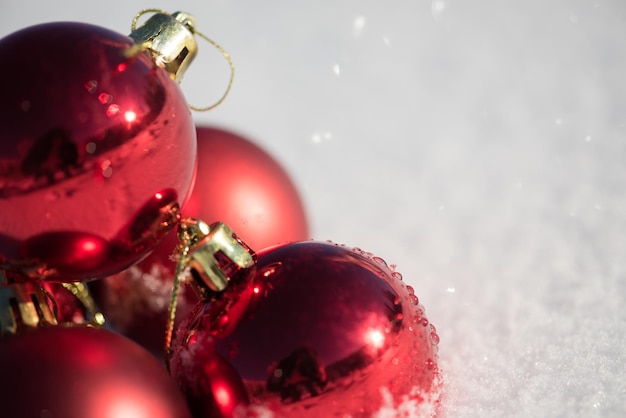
[(217, 390), (81, 372), (91, 138), (316, 330), (238, 183)]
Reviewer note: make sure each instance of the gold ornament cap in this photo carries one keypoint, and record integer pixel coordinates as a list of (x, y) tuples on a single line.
[(28, 305), (24, 305), (215, 254), (170, 39)]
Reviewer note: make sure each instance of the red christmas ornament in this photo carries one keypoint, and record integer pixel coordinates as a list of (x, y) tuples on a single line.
[(312, 330), (238, 183), (243, 186), (81, 372), (219, 390), (97, 149)]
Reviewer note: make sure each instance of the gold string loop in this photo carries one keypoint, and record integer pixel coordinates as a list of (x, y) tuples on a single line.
[(230, 81), (133, 25), (188, 22)]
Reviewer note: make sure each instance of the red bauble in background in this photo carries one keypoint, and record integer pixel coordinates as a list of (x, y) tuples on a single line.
[(81, 372), (313, 330), (237, 182), (97, 144), (241, 185)]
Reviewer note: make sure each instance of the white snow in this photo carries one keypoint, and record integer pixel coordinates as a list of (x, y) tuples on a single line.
[(479, 145)]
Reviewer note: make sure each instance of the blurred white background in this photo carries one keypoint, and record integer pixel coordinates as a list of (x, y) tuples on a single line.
[(479, 145)]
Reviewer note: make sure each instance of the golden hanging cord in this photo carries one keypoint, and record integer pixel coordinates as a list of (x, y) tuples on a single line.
[(147, 39), (171, 313)]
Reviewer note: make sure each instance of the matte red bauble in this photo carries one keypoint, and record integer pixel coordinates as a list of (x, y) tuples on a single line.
[(81, 372), (313, 330), (243, 186), (238, 183), (97, 146)]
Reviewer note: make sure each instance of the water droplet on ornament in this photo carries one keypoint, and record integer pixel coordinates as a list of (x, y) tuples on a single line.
[(399, 316), (105, 98), (380, 260), (424, 321), (270, 269), (106, 168), (91, 86), (434, 337), (396, 275), (112, 110), (396, 300), (430, 364), (410, 290), (414, 299)]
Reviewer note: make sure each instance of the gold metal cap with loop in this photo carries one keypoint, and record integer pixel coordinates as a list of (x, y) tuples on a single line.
[(170, 39), (24, 305), (27, 305), (214, 254)]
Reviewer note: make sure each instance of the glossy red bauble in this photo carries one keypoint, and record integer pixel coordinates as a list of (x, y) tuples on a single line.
[(97, 144), (314, 330), (238, 183), (81, 372), (218, 390)]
